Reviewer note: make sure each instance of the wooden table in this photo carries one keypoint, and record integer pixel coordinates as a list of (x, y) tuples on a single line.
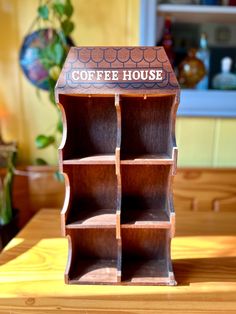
[(203, 253)]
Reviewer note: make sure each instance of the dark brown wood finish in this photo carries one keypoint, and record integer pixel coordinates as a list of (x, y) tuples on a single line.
[(118, 155)]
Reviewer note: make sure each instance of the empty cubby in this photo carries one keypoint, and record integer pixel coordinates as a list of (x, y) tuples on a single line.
[(146, 126), (144, 194), (93, 195), (91, 126), (94, 256), (145, 255)]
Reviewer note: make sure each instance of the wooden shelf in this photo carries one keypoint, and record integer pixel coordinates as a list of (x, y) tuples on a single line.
[(198, 13), (145, 218), (94, 271), (160, 159), (118, 154), (108, 159), (104, 218)]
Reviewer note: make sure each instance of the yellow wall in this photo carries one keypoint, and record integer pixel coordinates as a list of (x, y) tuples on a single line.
[(98, 22), (206, 142), (202, 142)]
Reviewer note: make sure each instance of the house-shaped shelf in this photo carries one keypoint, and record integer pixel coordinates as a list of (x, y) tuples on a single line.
[(118, 155)]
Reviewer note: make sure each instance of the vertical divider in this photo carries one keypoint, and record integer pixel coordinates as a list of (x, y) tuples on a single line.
[(118, 174)]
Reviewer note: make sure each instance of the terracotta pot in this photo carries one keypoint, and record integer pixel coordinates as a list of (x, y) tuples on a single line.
[(45, 191)]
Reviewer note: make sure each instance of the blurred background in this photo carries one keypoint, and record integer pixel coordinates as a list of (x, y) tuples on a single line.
[(197, 36), (205, 137)]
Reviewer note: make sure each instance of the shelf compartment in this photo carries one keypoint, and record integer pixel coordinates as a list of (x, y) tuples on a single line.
[(146, 127), (92, 126), (93, 271), (145, 256), (108, 159), (144, 196), (93, 196), (94, 256)]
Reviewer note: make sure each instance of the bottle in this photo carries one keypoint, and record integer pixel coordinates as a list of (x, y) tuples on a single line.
[(167, 41), (225, 80), (204, 55), (191, 70)]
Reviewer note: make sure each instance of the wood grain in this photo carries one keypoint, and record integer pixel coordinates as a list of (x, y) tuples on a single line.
[(205, 189), (202, 189), (91, 126), (146, 126), (203, 253)]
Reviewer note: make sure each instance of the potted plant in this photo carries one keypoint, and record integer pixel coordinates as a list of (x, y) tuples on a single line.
[(8, 216), (42, 56)]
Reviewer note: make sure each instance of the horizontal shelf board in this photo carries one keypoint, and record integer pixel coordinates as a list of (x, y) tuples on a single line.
[(145, 271), (108, 159), (93, 219), (209, 103), (94, 271), (159, 159), (144, 218), (198, 13)]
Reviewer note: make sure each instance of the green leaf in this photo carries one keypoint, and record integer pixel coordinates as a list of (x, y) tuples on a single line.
[(52, 97), (52, 83), (47, 64), (58, 53), (6, 191), (60, 126), (62, 37), (68, 8), (43, 141), (67, 27), (59, 176), (40, 162), (59, 9), (43, 12)]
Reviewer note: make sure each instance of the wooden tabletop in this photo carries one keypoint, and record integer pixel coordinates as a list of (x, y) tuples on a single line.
[(204, 260)]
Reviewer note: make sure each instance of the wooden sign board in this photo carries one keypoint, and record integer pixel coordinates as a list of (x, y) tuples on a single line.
[(121, 70), (118, 155)]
